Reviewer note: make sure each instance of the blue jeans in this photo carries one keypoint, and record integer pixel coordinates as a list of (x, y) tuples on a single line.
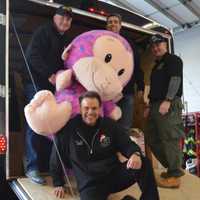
[(126, 105), (37, 148)]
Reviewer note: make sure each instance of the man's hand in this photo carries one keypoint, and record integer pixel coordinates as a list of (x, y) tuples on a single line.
[(134, 162), (164, 107), (59, 192)]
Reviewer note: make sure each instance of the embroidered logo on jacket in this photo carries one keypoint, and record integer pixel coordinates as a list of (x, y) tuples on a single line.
[(79, 142), (104, 140)]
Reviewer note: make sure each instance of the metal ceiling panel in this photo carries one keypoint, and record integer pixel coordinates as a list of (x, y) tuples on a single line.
[(164, 11), (179, 14), (171, 13), (196, 2), (162, 19), (149, 11), (189, 7), (143, 6), (194, 6), (167, 3), (183, 14)]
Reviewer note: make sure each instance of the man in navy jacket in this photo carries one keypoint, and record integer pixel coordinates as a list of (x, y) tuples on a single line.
[(43, 56)]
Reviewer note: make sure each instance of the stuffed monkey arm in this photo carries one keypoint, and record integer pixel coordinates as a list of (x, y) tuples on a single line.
[(44, 115), (112, 110), (63, 79)]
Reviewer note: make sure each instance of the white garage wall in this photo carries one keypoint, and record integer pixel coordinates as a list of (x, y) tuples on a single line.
[(187, 46)]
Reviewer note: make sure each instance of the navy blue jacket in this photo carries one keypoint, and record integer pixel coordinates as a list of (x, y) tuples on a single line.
[(43, 54)]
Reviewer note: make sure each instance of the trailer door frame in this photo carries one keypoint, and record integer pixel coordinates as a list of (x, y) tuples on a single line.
[(4, 87)]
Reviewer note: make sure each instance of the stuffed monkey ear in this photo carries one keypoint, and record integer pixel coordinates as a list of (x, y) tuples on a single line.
[(66, 51)]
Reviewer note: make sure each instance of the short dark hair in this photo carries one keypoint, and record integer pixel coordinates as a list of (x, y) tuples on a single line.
[(90, 94), (114, 15)]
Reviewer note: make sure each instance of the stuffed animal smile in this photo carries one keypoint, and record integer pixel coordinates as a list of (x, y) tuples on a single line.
[(98, 60)]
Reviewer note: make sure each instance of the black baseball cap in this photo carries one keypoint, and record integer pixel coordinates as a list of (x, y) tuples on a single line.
[(64, 11), (155, 39)]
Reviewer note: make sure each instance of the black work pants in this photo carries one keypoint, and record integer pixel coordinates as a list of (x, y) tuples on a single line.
[(122, 178)]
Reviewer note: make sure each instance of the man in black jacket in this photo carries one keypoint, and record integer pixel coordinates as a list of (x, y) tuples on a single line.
[(89, 143), (44, 59), (126, 103)]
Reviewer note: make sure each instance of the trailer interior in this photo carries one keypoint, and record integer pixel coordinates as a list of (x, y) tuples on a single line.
[(25, 16)]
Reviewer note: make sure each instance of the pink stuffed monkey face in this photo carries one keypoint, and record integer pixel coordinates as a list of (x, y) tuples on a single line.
[(108, 70)]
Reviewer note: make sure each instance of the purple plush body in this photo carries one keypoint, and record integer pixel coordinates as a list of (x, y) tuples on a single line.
[(82, 47)]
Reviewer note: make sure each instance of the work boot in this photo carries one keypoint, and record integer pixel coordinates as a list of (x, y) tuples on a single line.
[(172, 182), (128, 197), (35, 177), (174, 173)]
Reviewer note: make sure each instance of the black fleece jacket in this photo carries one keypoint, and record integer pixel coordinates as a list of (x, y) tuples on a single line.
[(44, 52), (91, 158)]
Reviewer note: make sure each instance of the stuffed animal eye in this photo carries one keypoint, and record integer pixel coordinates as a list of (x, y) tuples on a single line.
[(108, 58), (121, 71)]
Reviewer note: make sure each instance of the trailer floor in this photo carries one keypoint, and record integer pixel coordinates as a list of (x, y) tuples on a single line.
[(189, 190)]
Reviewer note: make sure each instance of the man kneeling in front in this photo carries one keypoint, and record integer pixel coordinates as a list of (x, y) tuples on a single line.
[(89, 143)]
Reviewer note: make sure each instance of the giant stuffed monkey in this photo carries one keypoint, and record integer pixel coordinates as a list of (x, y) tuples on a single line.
[(98, 60)]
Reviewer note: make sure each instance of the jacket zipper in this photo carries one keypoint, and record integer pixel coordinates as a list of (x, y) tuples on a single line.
[(93, 140), (90, 147)]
